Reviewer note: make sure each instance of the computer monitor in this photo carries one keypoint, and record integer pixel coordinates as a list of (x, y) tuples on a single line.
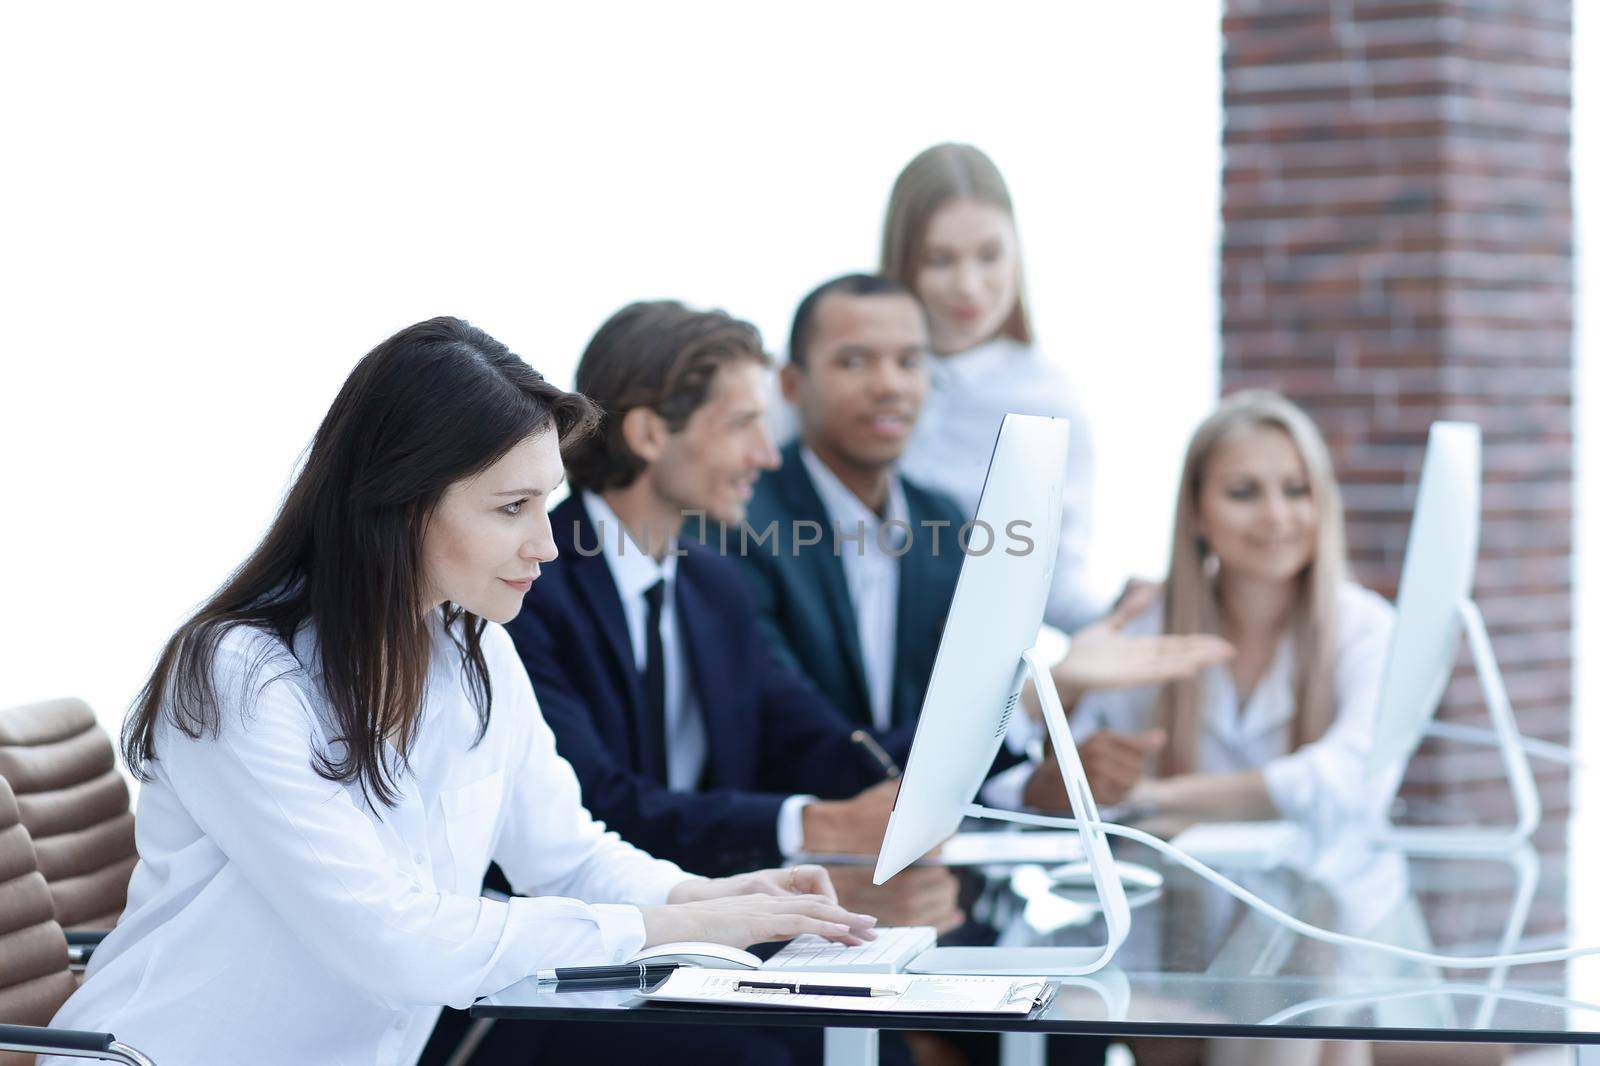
[(984, 657), (1434, 608)]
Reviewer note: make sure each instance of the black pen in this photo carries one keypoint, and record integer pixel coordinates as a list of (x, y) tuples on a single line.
[(592, 978), (865, 739), (812, 990)]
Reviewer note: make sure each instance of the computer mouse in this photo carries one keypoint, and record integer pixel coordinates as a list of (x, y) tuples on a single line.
[(1134, 877), (699, 953)]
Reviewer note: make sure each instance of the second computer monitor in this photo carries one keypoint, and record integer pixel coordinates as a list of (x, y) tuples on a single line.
[(1434, 610), (1435, 578)]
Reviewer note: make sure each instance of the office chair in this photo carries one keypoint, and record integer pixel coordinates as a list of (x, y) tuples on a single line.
[(62, 767), (35, 974)]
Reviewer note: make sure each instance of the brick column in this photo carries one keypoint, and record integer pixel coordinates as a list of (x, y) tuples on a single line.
[(1398, 248)]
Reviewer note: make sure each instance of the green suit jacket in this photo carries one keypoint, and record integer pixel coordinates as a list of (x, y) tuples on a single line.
[(804, 603)]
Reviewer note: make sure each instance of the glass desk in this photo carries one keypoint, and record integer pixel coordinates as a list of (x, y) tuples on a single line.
[(1199, 964)]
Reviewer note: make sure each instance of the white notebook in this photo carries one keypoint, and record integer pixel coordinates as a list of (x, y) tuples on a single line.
[(913, 994)]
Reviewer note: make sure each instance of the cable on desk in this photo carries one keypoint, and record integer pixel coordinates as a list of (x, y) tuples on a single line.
[(1289, 921), (1444, 988)]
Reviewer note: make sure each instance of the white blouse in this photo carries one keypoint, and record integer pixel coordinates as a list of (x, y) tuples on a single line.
[(969, 395), (1326, 778), (274, 916)]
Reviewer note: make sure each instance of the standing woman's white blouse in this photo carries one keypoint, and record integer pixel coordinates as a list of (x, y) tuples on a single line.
[(275, 917), (1326, 778), (969, 395)]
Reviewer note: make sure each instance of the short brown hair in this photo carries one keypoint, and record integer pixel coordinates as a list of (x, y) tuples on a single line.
[(657, 354)]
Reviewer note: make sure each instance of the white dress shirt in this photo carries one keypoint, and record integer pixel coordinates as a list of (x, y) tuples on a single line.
[(969, 395), (1323, 779), (871, 574), (633, 570), (274, 916)]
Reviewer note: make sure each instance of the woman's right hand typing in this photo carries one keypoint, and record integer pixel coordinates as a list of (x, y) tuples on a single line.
[(755, 918)]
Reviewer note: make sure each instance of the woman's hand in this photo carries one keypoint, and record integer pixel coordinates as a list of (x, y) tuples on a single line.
[(806, 880), (1102, 656), (742, 920), (755, 907)]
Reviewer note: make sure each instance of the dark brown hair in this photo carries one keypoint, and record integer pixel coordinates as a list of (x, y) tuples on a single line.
[(934, 178), (434, 404), (804, 327), (656, 354)]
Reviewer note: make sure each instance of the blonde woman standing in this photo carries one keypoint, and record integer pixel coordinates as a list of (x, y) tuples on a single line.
[(950, 236), (1258, 558)]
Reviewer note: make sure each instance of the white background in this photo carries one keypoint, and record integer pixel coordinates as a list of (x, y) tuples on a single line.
[(211, 214)]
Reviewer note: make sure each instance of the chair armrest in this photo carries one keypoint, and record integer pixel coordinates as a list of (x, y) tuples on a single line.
[(81, 944), (74, 1043)]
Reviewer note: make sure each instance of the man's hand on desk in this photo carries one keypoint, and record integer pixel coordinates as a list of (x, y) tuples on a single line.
[(917, 895), (1113, 762), (849, 827), (921, 895)]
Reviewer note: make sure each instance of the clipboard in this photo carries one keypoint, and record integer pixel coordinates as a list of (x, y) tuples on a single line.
[(943, 994), (1039, 993)]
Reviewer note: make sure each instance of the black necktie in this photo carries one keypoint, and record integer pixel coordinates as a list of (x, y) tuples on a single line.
[(655, 686)]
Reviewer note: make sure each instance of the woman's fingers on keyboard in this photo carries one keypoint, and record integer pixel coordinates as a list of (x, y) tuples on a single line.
[(889, 953)]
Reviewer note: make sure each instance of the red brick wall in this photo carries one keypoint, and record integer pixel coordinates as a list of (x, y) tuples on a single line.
[(1397, 248)]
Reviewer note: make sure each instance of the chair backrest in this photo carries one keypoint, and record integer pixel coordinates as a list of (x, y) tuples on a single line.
[(62, 768), (34, 976)]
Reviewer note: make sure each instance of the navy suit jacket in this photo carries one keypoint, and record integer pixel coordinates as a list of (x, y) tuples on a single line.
[(769, 733), (805, 605)]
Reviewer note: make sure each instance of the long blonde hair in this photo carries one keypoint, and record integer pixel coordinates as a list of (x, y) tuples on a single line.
[(935, 177), (1191, 597)]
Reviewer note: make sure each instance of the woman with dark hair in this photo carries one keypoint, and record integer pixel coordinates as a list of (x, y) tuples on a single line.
[(339, 741)]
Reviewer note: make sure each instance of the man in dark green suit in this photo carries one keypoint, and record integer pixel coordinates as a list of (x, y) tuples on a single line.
[(856, 578), (854, 567), (855, 582)]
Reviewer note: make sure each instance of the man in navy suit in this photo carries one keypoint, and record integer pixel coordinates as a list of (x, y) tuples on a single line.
[(691, 737)]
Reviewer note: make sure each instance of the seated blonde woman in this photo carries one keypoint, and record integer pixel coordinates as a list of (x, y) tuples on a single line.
[(1281, 729)]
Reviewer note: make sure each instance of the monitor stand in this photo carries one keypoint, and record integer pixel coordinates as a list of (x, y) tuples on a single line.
[(1442, 840), (1113, 901), (1524, 864)]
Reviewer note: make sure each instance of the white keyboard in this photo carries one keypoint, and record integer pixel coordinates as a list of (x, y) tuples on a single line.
[(890, 953)]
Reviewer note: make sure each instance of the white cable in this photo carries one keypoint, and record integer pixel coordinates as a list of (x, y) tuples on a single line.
[(1445, 988), (1473, 734), (1289, 921)]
